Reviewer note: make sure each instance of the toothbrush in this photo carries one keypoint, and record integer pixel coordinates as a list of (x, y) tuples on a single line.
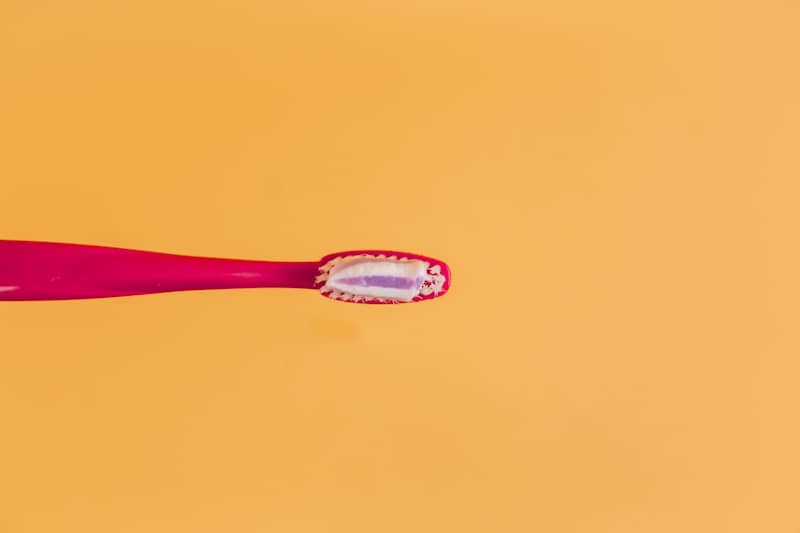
[(32, 270)]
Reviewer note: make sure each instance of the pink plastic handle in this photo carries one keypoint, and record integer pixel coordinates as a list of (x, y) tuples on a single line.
[(54, 271)]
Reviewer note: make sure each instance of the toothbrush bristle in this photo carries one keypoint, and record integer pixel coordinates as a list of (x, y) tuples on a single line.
[(373, 274)]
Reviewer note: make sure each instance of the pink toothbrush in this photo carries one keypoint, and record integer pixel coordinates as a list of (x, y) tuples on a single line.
[(53, 271)]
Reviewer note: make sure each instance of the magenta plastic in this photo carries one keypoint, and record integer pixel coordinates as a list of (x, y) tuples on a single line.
[(55, 271)]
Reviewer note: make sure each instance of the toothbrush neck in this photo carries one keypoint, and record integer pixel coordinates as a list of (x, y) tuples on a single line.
[(159, 273)]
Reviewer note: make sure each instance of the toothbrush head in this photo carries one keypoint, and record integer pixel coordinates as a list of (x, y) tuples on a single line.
[(381, 277)]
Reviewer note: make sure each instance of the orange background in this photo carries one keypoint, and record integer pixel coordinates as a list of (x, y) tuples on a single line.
[(615, 185)]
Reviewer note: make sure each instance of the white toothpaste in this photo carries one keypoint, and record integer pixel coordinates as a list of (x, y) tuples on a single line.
[(366, 277)]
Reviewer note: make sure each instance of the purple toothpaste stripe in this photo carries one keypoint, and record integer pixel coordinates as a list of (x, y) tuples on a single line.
[(388, 282)]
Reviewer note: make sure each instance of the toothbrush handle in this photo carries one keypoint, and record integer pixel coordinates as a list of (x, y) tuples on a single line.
[(53, 271)]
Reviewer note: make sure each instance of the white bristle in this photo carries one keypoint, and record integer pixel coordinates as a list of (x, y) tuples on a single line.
[(432, 284)]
